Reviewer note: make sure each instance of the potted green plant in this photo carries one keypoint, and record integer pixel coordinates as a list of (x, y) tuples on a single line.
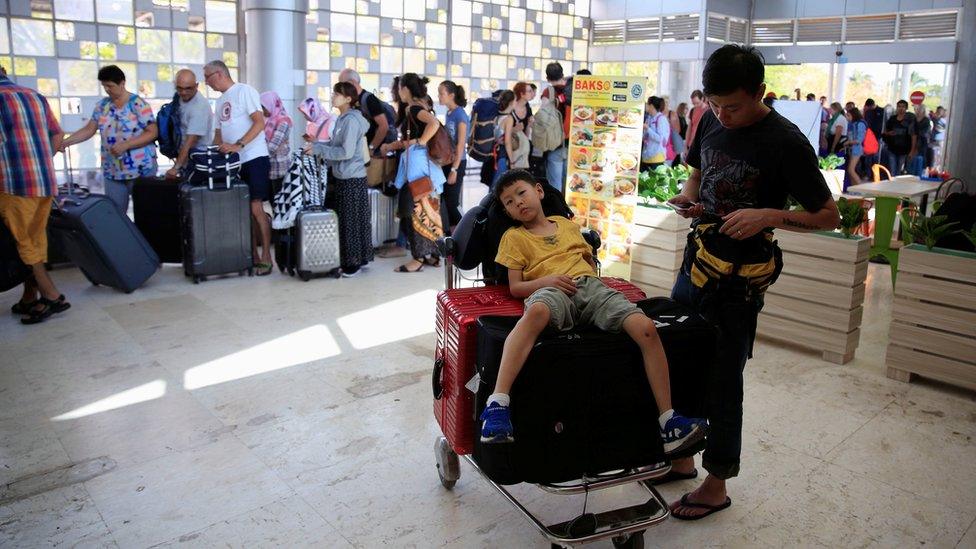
[(933, 317), (659, 233), (833, 176), (818, 300)]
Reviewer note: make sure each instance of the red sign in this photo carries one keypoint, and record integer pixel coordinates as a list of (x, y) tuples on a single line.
[(917, 97)]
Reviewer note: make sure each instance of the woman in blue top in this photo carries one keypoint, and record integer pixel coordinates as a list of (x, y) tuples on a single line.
[(856, 131), (457, 123), (657, 131)]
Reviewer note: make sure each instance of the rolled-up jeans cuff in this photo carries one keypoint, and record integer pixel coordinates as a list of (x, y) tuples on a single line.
[(723, 471)]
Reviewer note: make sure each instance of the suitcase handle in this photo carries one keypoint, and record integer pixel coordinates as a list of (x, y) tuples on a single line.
[(483, 299), (436, 379)]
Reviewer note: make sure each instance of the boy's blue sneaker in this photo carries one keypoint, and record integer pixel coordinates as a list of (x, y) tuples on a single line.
[(680, 433), (497, 426)]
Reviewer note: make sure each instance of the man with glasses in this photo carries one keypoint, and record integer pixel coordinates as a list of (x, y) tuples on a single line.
[(196, 119)]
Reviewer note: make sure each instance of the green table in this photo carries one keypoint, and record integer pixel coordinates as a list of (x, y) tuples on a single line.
[(887, 195)]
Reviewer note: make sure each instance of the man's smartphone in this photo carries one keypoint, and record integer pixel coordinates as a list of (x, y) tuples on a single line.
[(680, 206)]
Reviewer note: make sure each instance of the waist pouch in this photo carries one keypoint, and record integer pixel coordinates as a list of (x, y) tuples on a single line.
[(715, 260)]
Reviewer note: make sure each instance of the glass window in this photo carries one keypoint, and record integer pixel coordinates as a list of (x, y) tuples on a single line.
[(164, 73), (583, 8), (480, 65), (461, 38), (461, 14), (106, 51), (32, 37), (317, 55), (76, 10), (533, 45), (499, 66), (391, 8), (147, 88), (368, 30), (25, 66), (231, 59), (436, 36), (88, 49), (4, 38), (345, 6), (215, 41), (154, 45), (415, 10), (343, 27), (221, 17), (78, 78), (127, 36), (188, 47), (115, 11), (391, 60), (566, 25), (516, 20), (516, 43), (196, 23), (65, 31), (413, 61), (550, 24)]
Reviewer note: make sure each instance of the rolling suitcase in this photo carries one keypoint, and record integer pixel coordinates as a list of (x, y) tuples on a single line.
[(216, 219), (381, 208), (156, 208), (582, 404), (315, 235), (454, 367)]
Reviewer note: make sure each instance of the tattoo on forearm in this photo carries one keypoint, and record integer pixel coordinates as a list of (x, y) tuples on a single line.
[(799, 225)]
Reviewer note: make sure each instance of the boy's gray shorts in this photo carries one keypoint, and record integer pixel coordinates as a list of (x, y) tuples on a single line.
[(594, 304)]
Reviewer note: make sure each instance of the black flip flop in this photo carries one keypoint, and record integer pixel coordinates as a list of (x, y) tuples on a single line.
[(50, 308), (710, 509), (404, 269), (22, 309), (673, 476)]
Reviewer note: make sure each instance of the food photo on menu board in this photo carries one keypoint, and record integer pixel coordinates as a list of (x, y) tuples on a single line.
[(604, 161)]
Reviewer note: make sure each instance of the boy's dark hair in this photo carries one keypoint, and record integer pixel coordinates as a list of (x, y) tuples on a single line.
[(510, 178), (698, 94), (656, 101), (584, 72), (554, 71), (811, 97), (902, 102), (733, 67), (869, 102), (111, 73)]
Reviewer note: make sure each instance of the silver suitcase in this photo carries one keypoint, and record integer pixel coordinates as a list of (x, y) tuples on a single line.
[(382, 217), (318, 242)]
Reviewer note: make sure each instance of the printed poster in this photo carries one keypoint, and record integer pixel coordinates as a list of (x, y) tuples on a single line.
[(604, 162)]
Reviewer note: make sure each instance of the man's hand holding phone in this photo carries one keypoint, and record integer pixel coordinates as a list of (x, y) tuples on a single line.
[(685, 206)]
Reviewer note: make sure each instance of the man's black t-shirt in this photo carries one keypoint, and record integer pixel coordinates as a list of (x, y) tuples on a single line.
[(374, 108), (901, 142), (755, 167)]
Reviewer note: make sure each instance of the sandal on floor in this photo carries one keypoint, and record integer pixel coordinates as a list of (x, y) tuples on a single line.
[(264, 269), (21, 309), (673, 476), (432, 261), (50, 308), (709, 509), (404, 269)]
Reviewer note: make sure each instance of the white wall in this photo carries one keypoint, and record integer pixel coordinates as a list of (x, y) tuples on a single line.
[(784, 9)]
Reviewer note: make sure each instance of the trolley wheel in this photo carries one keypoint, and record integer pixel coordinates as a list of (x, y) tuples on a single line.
[(305, 275), (250, 271), (281, 269), (633, 541), (448, 464), (196, 279)]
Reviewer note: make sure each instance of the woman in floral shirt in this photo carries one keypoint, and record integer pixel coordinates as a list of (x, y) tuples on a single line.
[(128, 130)]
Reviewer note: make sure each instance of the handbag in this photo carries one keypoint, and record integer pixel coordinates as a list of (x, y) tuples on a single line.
[(422, 186), (440, 149)]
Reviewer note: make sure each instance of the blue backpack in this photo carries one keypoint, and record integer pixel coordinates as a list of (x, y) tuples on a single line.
[(170, 133), (484, 115)]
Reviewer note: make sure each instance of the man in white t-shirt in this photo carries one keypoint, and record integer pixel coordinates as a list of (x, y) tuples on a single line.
[(239, 127)]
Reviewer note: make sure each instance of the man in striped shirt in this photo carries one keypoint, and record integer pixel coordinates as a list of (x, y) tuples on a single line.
[(29, 136)]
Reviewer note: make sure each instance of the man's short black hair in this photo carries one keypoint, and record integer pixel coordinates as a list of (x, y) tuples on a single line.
[(869, 102), (111, 73), (811, 96), (583, 72), (554, 71), (902, 102), (733, 67), (510, 178)]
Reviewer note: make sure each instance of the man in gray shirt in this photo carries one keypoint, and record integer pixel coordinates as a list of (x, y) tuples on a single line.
[(196, 119)]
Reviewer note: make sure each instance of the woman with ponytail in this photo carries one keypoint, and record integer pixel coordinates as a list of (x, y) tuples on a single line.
[(452, 96), (421, 220)]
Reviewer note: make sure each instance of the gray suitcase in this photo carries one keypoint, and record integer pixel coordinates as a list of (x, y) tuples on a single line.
[(216, 222), (316, 231), (381, 209)]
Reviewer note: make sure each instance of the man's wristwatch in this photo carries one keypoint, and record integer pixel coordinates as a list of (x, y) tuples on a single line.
[(240, 143), (453, 169)]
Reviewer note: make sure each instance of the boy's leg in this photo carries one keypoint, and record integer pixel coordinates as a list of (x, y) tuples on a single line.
[(641, 329), (519, 344)]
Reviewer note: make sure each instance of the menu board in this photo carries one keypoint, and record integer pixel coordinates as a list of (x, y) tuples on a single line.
[(604, 162)]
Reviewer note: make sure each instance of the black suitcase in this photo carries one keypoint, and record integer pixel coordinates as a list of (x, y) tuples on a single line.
[(582, 404), (216, 219), (102, 242), (156, 207)]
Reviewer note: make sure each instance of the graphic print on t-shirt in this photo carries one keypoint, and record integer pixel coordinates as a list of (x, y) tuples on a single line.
[(727, 184), (225, 111)]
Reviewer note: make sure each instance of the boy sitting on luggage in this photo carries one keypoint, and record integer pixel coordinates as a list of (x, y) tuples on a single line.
[(551, 266)]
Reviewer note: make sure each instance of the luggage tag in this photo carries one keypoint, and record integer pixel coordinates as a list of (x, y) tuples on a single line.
[(473, 383)]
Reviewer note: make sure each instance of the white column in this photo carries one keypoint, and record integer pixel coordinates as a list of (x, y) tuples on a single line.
[(961, 139), (841, 83), (275, 56)]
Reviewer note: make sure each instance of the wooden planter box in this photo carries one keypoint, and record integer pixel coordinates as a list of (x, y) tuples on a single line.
[(933, 317), (817, 301), (659, 237)]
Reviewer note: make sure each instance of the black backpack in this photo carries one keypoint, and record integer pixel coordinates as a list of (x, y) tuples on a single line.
[(391, 134), (958, 207)]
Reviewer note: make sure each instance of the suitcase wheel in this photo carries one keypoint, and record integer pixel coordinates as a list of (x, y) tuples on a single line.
[(305, 276), (448, 465), (291, 271), (250, 272), (632, 541), (196, 279)]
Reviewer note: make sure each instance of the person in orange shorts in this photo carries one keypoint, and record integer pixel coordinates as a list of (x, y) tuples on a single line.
[(28, 139)]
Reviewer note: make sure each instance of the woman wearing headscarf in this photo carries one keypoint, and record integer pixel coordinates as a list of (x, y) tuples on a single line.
[(319, 127), (277, 127)]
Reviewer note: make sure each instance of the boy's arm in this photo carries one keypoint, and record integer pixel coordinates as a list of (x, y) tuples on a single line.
[(521, 289)]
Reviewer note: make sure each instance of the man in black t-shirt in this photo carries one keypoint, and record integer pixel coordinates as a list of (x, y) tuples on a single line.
[(746, 160), (901, 138), (379, 126)]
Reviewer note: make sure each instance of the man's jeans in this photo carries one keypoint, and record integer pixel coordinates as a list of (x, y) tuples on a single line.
[(896, 163), (735, 317), (556, 168)]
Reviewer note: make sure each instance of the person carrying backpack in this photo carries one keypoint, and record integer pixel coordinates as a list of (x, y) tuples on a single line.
[(379, 114), (194, 120), (555, 96), (481, 139)]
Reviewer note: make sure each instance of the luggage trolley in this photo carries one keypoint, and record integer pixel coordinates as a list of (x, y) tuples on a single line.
[(623, 526)]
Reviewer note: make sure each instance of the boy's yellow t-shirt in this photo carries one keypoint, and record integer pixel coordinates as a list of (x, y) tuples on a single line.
[(563, 253)]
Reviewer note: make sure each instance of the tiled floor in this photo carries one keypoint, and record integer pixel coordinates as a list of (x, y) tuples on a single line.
[(255, 412)]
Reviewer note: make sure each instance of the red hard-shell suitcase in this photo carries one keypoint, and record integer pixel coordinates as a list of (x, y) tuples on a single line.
[(458, 311)]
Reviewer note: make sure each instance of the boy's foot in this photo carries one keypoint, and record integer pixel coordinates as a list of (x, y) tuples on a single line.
[(497, 426), (680, 433)]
